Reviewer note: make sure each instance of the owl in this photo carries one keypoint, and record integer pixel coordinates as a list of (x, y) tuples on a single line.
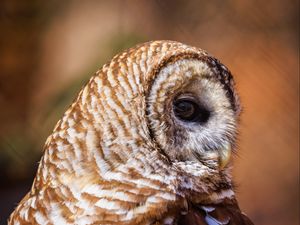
[(148, 140)]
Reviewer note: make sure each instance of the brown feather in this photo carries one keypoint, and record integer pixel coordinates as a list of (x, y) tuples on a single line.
[(224, 213)]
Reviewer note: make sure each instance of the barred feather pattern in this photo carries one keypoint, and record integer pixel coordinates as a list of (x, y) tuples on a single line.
[(105, 162)]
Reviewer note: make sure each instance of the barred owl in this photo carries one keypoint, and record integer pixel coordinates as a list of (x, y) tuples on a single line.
[(147, 141)]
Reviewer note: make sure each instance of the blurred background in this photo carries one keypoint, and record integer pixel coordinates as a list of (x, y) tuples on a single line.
[(49, 49)]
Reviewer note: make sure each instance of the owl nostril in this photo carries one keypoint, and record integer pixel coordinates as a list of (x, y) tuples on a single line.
[(188, 110)]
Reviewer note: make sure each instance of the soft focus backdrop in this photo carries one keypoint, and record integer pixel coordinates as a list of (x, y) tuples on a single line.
[(49, 49)]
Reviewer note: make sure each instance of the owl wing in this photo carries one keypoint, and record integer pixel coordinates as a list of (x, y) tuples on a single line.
[(224, 213)]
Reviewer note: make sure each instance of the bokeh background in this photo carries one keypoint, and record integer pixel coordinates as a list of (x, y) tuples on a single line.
[(49, 49)]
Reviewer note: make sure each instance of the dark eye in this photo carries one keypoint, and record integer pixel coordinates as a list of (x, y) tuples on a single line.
[(189, 110)]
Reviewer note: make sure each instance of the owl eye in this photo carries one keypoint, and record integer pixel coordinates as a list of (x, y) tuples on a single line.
[(189, 110)]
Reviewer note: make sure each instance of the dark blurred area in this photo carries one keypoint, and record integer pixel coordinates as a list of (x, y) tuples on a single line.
[(49, 49)]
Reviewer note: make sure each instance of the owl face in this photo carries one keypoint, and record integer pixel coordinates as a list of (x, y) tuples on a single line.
[(193, 112)]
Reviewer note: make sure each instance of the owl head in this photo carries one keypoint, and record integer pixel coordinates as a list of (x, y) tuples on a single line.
[(160, 99), (162, 103)]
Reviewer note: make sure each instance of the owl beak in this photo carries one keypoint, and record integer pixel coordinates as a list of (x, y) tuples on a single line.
[(224, 156)]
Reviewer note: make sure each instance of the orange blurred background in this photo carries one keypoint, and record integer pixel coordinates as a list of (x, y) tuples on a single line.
[(49, 49)]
